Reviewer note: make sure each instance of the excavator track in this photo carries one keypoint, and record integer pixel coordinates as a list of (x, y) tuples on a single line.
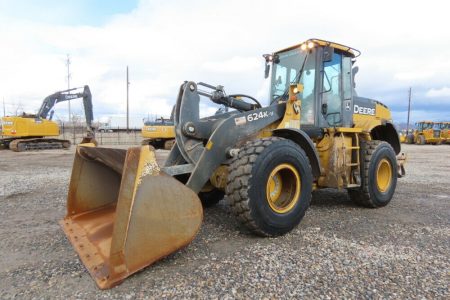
[(20, 145), (165, 144)]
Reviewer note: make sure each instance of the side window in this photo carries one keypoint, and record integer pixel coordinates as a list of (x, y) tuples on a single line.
[(347, 77), (332, 89)]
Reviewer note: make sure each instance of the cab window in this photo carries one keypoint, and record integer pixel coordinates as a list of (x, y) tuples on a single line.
[(331, 94)]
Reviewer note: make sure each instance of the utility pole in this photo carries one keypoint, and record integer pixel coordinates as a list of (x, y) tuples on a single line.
[(68, 87), (4, 109), (409, 110), (128, 112), (68, 81)]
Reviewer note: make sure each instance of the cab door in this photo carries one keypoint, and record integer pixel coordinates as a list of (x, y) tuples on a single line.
[(336, 95)]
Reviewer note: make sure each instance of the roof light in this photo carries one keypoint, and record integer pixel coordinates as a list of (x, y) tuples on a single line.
[(310, 45), (303, 47), (268, 57)]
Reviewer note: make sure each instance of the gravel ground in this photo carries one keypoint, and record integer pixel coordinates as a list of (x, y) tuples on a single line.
[(338, 251)]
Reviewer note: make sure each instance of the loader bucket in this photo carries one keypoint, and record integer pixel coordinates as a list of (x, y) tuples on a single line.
[(124, 214)]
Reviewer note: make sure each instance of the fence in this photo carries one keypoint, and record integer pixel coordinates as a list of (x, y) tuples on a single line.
[(117, 137)]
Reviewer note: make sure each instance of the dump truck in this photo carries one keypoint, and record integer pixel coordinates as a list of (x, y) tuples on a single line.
[(124, 211), (38, 131), (426, 132)]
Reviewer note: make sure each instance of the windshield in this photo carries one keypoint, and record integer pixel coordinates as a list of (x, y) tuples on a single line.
[(424, 126), (285, 72)]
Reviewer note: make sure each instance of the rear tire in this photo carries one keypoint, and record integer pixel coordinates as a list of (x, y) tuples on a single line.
[(379, 175), (269, 185)]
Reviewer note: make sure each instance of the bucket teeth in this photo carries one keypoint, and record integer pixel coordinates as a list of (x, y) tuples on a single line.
[(124, 213)]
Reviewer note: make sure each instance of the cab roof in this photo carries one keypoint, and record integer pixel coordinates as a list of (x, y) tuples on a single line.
[(318, 42)]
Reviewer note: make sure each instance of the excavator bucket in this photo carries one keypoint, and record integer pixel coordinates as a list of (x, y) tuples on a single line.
[(124, 213)]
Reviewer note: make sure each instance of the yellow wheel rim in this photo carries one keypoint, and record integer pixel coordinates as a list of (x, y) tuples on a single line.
[(384, 175), (283, 188)]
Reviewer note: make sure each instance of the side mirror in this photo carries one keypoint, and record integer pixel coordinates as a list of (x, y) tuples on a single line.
[(270, 58), (267, 70), (354, 71)]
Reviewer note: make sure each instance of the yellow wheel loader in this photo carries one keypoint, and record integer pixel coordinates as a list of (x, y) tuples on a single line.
[(402, 135), (160, 133), (125, 212), (38, 131), (445, 131), (426, 132)]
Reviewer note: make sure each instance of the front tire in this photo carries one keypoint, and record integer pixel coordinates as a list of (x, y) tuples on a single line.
[(420, 140), (410, 139), (379, 170), (269, 185)]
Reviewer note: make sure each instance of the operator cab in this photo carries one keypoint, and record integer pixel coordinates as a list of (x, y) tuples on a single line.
[(421, 126), (159, 122), (325, 71)]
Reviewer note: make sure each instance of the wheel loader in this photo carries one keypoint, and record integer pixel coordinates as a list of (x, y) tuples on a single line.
[(124, 211), (402, 136), (38, 131), (445, 131), (426, 132)]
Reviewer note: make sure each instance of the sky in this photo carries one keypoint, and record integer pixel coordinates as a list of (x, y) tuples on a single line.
[(403, 43)]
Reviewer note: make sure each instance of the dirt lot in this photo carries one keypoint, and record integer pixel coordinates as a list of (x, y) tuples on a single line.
[(339, 250)]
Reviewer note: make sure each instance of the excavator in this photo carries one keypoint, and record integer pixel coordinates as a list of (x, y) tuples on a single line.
[(124, 211), (426, 132), (159, 133), (38, 131)]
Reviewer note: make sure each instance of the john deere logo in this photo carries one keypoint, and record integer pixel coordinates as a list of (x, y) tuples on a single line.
[(363, 110)]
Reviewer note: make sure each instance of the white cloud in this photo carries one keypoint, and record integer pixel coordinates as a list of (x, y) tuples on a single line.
[(236, 64), (220, 42), (442, 92), (414, 75)]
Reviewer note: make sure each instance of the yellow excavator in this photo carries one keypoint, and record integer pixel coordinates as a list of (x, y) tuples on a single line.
[(38, 131), (426, 132), (159, 133), (124, 211)]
